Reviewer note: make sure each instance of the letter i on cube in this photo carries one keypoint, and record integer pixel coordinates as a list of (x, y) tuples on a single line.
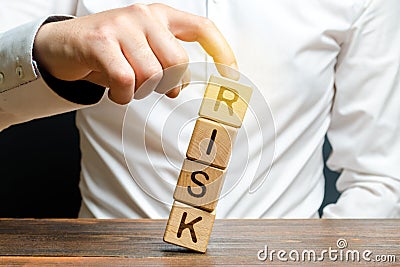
[(200, 182)]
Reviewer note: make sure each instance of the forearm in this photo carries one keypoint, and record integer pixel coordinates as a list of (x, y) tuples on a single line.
[(365, 196), (27, 91)]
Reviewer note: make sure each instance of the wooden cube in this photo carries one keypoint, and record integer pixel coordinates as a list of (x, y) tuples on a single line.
[(211, 143), (199, 185), (189, 227), (225, 101)]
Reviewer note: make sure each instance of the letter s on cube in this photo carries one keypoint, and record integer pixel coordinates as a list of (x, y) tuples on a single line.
[(199, 185)]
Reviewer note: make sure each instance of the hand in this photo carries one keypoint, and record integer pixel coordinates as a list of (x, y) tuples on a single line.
[(122, 48)]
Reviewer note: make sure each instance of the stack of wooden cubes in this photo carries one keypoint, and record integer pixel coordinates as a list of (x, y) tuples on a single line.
[(200, 182)]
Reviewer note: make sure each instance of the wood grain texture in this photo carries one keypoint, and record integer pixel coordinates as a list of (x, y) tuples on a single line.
[(199, 185), (88, 242), (211, 143), (225, 101), (189, 227)]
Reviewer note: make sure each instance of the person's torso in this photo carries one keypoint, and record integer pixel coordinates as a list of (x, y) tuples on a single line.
[(131, 156)]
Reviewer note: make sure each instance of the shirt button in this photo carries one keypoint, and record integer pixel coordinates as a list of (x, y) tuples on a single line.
[(20, 72), (1, 77)]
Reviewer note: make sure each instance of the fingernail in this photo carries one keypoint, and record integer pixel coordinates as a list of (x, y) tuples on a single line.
[(234, 65), (184, 85)]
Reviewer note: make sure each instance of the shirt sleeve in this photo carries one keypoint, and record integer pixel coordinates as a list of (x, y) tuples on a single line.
[(25, 92), (365, 126)]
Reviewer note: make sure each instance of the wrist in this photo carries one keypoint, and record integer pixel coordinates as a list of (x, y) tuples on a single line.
[(48, 63), (39, 50)]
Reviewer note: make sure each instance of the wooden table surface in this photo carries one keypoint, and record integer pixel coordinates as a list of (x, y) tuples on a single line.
[(233, 242)]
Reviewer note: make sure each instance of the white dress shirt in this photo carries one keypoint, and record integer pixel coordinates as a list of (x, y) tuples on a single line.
[(318, 67)]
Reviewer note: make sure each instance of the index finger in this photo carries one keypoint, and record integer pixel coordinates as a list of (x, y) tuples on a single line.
[(193, 28)]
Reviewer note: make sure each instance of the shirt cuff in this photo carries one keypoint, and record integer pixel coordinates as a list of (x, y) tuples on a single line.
[(27, 93)]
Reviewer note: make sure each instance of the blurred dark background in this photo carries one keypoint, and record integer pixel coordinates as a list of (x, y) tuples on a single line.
[(39, 169), (331, 194), (40, 165)]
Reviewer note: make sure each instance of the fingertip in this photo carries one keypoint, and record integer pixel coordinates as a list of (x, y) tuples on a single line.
[(231, 72), (174, 92), (121, 98), (235, 66), (184, 83)]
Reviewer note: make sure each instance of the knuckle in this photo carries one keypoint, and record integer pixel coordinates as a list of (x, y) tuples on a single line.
[(102, 34), (141, 9), (176, 56), (123, 79), (151, 71), (181, 58), (203, 26), (120, 21), (206, 23), (176, 59), (156, 5)]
